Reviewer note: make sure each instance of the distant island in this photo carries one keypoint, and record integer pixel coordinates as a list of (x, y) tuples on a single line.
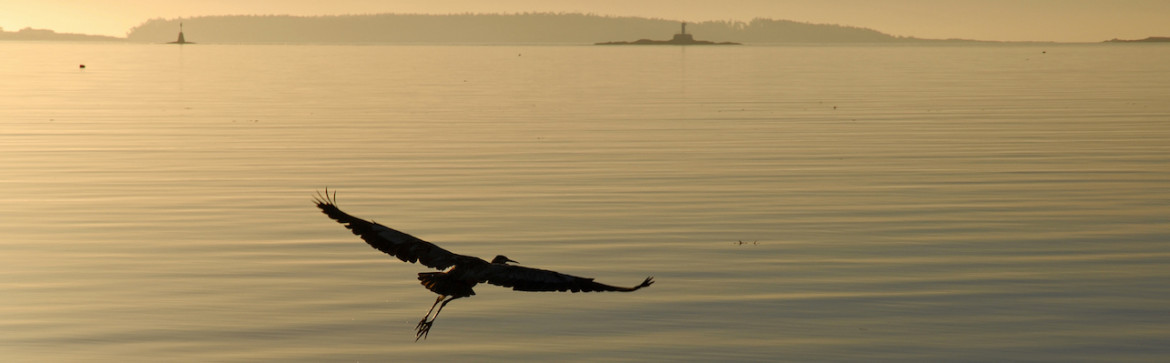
[(45, 34), (679, 39), (520, 28), (1146, 40), (525, 28)]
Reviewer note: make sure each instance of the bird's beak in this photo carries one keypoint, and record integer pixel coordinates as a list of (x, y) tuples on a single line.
[(511, 260)]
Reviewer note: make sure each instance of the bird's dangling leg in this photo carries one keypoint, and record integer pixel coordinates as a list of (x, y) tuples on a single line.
[(424, 327), (428, 316)]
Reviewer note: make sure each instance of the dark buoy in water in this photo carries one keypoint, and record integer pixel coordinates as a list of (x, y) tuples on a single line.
[(82, 66), (182, 40)]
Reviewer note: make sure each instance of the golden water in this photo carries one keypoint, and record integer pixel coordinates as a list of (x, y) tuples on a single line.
[(894, 203)]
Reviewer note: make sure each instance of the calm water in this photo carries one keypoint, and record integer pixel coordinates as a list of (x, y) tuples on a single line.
[(895, 203)]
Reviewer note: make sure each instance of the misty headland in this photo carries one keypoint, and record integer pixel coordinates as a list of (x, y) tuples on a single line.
[(1143, 40), (519, 28), (492, 28), (487, 28), (31, 34)]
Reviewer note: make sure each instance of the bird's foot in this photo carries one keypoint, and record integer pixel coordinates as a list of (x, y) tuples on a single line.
[(423, 328)]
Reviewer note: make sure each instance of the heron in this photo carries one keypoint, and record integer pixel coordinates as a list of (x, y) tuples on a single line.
[(460, 273)]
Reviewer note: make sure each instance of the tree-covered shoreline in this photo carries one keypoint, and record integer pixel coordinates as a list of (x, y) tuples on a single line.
[(487, 28)]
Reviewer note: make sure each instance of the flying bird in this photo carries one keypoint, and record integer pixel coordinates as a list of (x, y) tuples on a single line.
[(460, 273)]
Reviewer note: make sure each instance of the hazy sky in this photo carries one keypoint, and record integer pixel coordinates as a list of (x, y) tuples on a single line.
[(1054, 20)]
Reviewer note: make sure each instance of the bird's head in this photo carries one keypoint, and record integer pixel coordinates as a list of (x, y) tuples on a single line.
[(502, 260)]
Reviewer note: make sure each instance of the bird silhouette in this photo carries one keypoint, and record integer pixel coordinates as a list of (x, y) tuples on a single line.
[(462, 272)]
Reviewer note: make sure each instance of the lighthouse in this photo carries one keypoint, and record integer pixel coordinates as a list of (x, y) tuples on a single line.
[(683, 38)]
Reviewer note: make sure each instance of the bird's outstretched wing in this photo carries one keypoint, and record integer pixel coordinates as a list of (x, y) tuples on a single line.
[(393, 242), (522, 278)]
